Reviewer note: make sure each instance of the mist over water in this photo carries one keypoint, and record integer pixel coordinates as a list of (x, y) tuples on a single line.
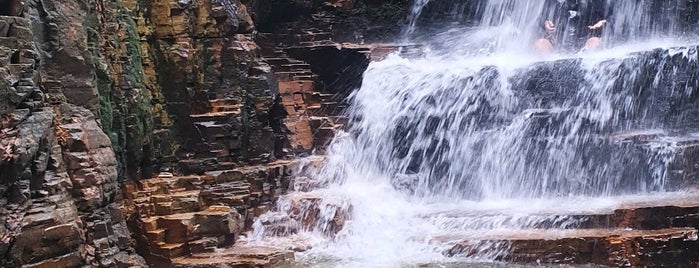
[(480, 136)]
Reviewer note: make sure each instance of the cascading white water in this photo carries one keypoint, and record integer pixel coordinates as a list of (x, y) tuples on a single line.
[(414, 14), (484, 141)]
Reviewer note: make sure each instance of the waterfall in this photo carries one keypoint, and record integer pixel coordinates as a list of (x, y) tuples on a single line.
[(473, 132), (511, 25), (414, 14), (483, 141)]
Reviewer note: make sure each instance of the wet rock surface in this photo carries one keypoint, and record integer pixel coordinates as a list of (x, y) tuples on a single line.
[(178, 216), (612, 247), (154, 133), (649, 123), (658, 231), (238, 256)]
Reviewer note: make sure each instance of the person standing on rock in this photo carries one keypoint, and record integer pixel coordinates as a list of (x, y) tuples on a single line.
[(569, 24)]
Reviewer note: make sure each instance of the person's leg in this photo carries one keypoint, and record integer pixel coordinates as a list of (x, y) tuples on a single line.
[(594, 43), (543, 46)]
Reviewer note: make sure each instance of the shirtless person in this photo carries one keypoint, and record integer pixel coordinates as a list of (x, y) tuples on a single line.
[(568, 24)]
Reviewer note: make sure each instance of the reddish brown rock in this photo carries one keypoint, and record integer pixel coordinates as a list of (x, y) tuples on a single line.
[(655, 231), (112, 92), (188, 87), (304, 211), (238, 256), (58, 171), (179, 216), (613, 247)]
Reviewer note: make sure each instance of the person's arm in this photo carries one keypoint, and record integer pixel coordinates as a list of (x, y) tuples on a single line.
[(598, 14), (547, 17)]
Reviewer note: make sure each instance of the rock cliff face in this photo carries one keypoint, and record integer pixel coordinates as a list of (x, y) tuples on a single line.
[(139, 133), (157, 130), (59, 182)]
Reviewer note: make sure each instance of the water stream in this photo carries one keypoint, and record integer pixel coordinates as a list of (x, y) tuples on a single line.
[(481, 136)]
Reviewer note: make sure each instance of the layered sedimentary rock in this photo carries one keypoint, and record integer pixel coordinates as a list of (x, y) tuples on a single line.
[(239, 107), (153, 133), (650, 233), (101, 100), (59, 172), (612, 247), (179, 217)]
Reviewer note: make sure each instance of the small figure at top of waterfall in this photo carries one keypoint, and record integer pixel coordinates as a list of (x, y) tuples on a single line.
[(567, 25)]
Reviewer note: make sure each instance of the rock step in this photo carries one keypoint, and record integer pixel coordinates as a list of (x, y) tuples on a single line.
[(314, 106), (156, 236), (305, 184), (304, 77), (314, 37), (237, 256), (296, 86), (306, 211), (307, 36), (297, 75), (217, 116), (380, 51), (613, 247), (652, 214), (644, 218), (198, 166), (657, 138), (340, 120), (214, 152), (212, 130), (293, 67), (319, 43), (225, 108), (218, 102), (170, 250), (278, 224), (281, 60)]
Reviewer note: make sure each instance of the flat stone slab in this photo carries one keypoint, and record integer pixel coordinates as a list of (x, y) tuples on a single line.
[(237, 256), (558, 234), (641, 212), (629, 231), (650, 230), (613, 247)]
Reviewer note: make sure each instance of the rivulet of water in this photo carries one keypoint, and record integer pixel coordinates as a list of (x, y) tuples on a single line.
[(414, 14), (495, 140)]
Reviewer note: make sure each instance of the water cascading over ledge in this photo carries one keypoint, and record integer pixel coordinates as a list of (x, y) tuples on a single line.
[(550, 129), (456, 157)]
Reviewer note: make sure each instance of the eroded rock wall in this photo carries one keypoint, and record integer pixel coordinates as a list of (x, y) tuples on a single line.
[(243, 103), (161, 116), (59, 172)]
